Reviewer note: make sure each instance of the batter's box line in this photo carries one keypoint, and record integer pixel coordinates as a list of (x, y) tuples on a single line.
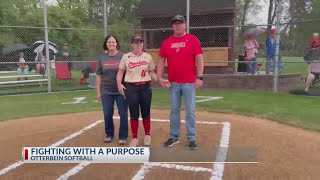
[(147, 166), (184, 167), (218, 167), (56, 144), (199, 122), (179, 167)]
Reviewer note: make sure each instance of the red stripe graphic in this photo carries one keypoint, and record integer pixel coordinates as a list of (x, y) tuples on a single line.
[(26, 154)]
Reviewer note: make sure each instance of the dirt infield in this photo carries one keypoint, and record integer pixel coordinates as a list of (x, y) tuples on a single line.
[(284, 152)]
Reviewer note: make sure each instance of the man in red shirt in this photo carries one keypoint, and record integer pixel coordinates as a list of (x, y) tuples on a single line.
[(183, 54), (314, 43)]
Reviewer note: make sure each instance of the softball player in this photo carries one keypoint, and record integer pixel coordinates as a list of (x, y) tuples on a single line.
[(139, 68)]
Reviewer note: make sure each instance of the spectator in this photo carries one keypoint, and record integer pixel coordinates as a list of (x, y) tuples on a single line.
[(23, 68), (271, 50), (251, 48), (66, 56), (40, 66), (313, 73), (314, 42)]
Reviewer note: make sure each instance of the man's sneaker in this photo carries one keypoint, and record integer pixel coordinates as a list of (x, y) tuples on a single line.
[(108, 139), (193, 145), (147, 140), (134, 142), (170, 142), (122, 142)]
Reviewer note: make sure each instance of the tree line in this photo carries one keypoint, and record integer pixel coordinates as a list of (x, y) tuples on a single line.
[(76, 22), (67, 20)]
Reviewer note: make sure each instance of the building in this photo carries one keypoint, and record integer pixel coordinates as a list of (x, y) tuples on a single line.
[(212, 21)]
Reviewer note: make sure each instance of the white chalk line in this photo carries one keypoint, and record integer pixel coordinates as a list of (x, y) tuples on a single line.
[(141, 173), (180, 167), (19, 163), (218, 168), (144, 168), (73, 171), (207, 98)]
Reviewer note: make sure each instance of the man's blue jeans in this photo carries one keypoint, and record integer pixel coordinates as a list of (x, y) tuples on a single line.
[(270, 63), (175, 92), (108, 109)]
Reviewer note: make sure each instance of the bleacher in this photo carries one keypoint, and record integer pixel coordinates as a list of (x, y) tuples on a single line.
[(10, 79)]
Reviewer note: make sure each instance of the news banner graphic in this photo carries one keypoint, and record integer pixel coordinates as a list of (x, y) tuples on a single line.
[(85, 154), (136, 155)]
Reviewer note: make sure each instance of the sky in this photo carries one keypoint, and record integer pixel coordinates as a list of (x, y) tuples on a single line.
[(262, 17)]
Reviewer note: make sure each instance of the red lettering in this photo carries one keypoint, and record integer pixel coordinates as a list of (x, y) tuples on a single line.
[(132, 65), (143, 73)]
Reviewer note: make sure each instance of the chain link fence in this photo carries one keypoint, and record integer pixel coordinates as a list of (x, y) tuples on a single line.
[(294, 37), (215, 27)]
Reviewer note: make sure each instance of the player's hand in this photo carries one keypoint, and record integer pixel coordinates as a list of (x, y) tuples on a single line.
[(164, 83), (98, 97), (121, 89), (199, 83)]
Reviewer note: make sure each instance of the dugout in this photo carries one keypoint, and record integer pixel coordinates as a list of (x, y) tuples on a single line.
[(212, 21)]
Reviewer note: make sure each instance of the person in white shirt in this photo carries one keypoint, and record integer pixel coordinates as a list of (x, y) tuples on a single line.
[(23, 68)]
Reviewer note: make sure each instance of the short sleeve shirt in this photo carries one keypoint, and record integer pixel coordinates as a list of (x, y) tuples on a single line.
[(180, 53), (314, 43), (107, 67), (137, 67)]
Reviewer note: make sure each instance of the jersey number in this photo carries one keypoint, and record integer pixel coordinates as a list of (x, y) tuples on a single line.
[(143, 73)]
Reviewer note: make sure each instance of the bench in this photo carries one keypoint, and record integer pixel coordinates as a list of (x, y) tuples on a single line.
[(15, 83), (17, 76), (5, 72)]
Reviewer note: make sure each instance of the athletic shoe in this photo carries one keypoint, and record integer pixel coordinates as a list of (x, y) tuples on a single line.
[(147, 140), (170, 142), (108, 139), (122, 142), (134, 142), (193, 145)]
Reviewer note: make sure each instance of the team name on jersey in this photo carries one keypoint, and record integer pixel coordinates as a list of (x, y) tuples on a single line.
[(113, 64), (178, 45), (132, 65)]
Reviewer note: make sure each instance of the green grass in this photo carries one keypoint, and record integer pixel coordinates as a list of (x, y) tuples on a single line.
[(291, 65), (299, 111), (64, 85)]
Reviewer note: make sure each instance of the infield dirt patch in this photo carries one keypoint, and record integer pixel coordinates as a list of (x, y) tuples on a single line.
[(284, 152)]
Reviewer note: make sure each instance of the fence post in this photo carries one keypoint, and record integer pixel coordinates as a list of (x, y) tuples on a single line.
[(45, 19), (188, 16), (276, 56), (105, 20)]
